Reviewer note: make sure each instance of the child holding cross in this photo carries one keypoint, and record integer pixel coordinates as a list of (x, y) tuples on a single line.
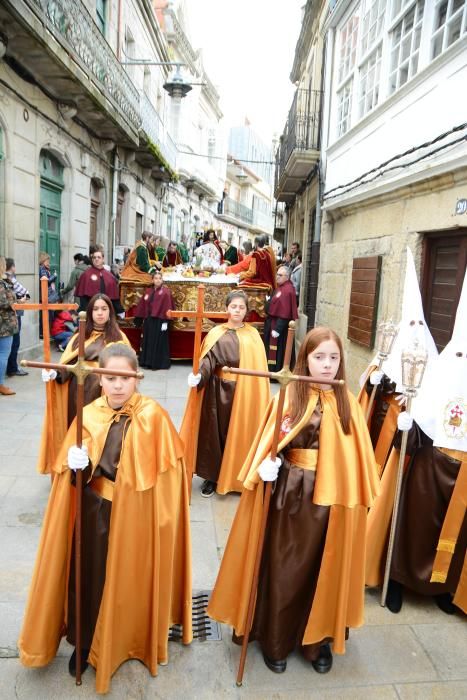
[(225, 408), (136, 570)]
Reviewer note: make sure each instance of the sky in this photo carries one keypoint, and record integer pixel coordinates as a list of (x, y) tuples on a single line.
[(248, 48)]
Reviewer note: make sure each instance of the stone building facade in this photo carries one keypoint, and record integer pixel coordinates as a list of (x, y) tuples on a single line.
[(390, 169), (297, 175), (86, 150), (394, 160)]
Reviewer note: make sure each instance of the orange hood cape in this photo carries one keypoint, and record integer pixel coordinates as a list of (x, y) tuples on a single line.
[(55, 426), (148, 570), (347, 481), (250, 401)]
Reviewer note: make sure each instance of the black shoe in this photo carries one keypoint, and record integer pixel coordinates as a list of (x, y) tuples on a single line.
[(19, 373), (72, 662), (275, 666), (208, 488), (394, 596), (444, 603), (323, 663)]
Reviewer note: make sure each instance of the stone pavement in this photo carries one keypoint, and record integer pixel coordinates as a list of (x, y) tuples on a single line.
[(420, 653)]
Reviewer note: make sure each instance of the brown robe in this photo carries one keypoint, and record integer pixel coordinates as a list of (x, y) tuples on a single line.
[(217, 404), (428, 484), (96, 512), (289, 574)]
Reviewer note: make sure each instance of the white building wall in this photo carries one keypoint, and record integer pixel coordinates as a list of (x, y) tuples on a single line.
[(426, 106)]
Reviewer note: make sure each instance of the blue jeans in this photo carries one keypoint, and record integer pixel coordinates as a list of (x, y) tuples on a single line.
[(5, 347), (12, 365), (62, 338)]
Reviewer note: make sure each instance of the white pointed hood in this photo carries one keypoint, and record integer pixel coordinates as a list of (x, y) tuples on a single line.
[(441, 411), (412, 327)]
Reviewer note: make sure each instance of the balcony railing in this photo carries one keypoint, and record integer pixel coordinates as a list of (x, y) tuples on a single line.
[(263, 221), (153, 126), (301, 132), (236, 209), (70, 19)]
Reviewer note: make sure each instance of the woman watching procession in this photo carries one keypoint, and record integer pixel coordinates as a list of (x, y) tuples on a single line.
[(101, 329)]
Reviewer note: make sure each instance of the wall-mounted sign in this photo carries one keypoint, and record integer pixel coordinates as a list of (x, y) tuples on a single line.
[(461, 206)]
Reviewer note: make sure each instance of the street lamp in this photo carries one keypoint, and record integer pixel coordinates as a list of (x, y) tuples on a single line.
[(176, 85)]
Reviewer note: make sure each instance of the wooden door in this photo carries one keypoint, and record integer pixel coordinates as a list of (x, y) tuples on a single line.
[(50, 216), (444, 265)]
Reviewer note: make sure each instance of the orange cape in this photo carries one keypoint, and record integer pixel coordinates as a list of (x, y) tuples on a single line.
[(389, 427), (347, 481), (250, 401), (131, 271), (148, 571), (55, 426), (453, 520)]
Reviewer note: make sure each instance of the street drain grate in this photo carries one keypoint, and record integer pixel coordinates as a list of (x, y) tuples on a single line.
[(204, 629)]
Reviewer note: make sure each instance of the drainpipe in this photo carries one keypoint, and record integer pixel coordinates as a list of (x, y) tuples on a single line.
[(113, 216), (315, 247)]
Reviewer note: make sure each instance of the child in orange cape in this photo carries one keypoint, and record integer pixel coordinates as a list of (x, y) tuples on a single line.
[(135, 536), (311, 581)]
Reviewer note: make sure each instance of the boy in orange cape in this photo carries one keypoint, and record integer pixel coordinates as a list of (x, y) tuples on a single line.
[(136, 568), (311, 581)]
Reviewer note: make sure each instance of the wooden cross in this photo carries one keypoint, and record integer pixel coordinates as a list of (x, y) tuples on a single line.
[(45, 307), (81, 371), (200, 314), (284, 377)]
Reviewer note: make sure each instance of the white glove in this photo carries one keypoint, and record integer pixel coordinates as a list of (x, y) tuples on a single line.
[(401, 399), (404, 421), (376, 377), (269, 469), (48, 375), (164, 326), (78, 457), (193, 379), (275, 334)]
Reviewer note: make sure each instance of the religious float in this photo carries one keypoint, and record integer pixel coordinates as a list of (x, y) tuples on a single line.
[(183, 282)]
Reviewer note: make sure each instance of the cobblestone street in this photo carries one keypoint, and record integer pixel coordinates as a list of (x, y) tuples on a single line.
[(420, 653)]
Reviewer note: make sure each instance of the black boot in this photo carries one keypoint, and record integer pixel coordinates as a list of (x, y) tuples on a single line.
[(72, 662), (273, 665), (444, 603), (323, 663), (208, 488), (394, 596)]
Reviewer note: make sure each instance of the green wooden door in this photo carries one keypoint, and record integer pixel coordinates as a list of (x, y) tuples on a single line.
[(51, 209)]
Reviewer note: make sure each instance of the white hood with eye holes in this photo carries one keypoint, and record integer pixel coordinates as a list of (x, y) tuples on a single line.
[(412, 327), (441, 410)]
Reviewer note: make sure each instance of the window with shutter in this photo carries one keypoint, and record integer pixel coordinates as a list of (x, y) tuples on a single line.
[(363, 310), (445, 260)]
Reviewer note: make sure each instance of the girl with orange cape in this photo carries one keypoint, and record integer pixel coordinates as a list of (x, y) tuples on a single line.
[(101, 329), (311, 581), (136, 568), (222, 416)]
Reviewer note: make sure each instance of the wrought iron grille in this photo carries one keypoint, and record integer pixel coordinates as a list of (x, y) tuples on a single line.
[(301, 131), (71, 21), (240, 211), (153, 126)]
